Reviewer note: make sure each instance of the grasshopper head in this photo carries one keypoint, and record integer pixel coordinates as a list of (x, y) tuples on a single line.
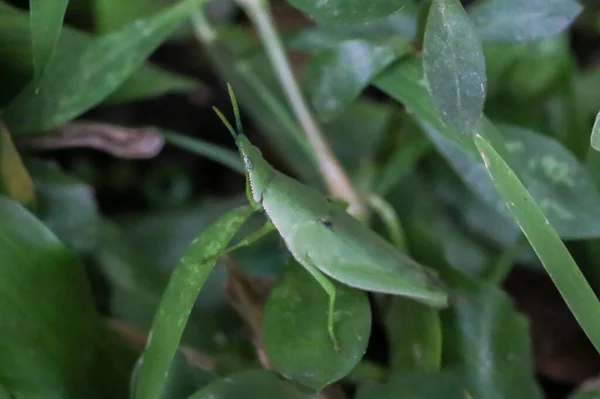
[(258, 172)]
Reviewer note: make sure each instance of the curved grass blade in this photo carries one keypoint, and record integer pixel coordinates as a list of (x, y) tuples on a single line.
[(178, 299), (545, 241), (216, 153), (46, 19), (595, 139)]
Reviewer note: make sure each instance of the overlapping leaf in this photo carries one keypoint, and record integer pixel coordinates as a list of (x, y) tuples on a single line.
[(454, 65)]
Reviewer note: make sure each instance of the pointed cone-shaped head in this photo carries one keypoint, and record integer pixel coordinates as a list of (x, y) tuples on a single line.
[(259, 172)]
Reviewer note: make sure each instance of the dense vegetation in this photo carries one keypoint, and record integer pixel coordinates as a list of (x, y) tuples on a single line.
[(432, 166)]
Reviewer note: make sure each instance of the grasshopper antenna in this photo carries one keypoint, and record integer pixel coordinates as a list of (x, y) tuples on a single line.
[(225, 122), (236, 110)]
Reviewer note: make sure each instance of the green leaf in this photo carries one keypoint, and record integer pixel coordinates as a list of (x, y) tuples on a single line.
[(46, 22), (67, 206), (560, 184), (454, 65), (516, 20), (595, 137), (81, 76), (553, 254), (15, 181), (415, 336), (430, 385), (559, 194), (47, 312), (336, 77), (178, 299), (16, 61), (151, 81), (224, 156), (110, 15), (295, 329), (347, 12), (542, 69), (405, 82), (347, 138), (403, 159), (484, 339), (253, 384), (488, 341)]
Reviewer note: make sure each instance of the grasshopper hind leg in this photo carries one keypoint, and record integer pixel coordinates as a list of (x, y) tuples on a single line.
[(331, 292)]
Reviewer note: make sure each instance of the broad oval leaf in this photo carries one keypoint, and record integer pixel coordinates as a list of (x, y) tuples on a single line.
[(81, 76), (46, 22), (347, 12), (253, 384), (335, 77), (415, 336), (595, 137), (488, 341), (178, 299), (47, 312), (551, 251), (295, 329), (446, 385), (454, 65), (517, 20)]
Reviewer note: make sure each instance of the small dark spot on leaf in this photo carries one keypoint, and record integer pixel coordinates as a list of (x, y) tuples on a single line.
[(327, 223)]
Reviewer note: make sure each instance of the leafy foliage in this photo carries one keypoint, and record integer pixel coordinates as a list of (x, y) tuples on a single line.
[(465, 135)]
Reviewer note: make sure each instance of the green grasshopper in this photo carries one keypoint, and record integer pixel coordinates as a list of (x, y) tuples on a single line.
[(326, 240)]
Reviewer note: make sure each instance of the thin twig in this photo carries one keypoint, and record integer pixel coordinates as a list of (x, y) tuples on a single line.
[(118, 141)]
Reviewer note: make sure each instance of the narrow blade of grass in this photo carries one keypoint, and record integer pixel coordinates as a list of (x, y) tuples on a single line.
[(224, 156), (177, 302), (545, 241)]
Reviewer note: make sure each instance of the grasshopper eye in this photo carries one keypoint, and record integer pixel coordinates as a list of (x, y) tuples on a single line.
[(328, 224), (248, 164)]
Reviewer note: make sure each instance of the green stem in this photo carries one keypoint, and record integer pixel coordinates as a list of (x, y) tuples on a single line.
[(336, 179), (388, 216)]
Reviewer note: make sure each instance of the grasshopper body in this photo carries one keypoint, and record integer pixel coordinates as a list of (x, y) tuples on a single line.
[(318, 232), (324, 239)]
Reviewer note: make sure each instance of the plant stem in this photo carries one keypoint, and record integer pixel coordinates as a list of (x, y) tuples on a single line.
[(202, 28), (336, 179)]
